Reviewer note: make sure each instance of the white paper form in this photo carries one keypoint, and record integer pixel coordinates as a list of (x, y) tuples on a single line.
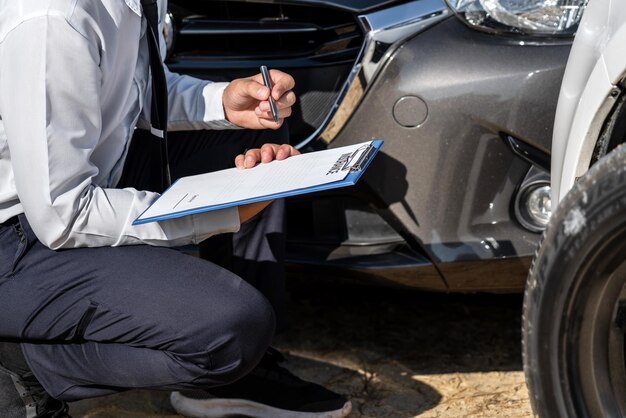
[(234, 185)]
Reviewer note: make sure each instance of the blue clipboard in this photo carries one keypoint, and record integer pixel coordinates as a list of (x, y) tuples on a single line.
[(356, 171)]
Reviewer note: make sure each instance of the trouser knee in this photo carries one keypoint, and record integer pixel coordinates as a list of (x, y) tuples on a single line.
[(247, 332), (254, 330)]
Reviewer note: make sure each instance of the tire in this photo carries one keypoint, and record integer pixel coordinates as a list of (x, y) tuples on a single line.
[(574, 319)]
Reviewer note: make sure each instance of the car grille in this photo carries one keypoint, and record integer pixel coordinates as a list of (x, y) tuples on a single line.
[(222, 40)]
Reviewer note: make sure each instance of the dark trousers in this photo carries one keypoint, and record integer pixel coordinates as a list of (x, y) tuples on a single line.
[(95, 321)]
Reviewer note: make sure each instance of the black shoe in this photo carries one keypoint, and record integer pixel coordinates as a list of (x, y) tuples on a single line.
[(21, 395), (269, 391)]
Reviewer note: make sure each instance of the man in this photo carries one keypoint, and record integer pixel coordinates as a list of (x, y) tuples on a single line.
[(90, 304)]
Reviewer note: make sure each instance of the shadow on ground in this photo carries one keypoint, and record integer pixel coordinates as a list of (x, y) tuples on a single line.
[(394, 352)]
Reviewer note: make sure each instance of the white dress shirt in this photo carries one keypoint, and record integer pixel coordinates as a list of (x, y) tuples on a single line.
[(73, 86)]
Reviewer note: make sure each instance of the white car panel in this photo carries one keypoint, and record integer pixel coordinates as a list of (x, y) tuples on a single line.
[(597, 63)]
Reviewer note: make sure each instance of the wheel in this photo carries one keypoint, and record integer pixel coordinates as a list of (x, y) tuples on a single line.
[(574, 322)]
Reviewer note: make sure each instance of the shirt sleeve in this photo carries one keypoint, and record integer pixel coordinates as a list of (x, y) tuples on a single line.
[(194, 104), (52, 119)]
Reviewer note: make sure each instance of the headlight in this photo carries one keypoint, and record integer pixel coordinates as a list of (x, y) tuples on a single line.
[(533, 17)]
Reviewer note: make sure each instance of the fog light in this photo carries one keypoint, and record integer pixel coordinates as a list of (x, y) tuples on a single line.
[(539, 205), (534, 206)]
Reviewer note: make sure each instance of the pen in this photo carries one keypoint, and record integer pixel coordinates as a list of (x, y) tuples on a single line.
[(268, 83)]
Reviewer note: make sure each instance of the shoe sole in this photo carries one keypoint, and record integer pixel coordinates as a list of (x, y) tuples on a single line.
[(223, 408)]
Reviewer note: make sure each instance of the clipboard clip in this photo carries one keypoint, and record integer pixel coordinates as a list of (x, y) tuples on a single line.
[(350, 162), (365, 156)]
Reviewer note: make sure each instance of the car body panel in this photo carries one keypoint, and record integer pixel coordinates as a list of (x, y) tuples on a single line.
[(596, 66), (453, 193), (385, 30), (436, 208)]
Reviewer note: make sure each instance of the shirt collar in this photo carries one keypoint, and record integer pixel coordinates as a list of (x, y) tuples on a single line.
[(134, 5)]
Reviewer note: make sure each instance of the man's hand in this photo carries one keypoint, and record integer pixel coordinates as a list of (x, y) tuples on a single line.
[(246, 100), (246, 212), (265, 154)]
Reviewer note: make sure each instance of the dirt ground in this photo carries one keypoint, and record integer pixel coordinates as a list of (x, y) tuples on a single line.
[(394, 352)]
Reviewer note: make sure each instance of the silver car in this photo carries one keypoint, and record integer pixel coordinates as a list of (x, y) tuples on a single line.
[(462, 91)]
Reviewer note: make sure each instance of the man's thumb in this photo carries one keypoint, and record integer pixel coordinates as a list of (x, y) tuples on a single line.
[(257, 90)]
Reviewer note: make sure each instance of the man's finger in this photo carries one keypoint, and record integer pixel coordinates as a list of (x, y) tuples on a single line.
[(283, 113), (285, 151), (255, 89), (286, 100), (239, 161), (283, 83), (265, 154), (253, 156), (249, 159), (270, 124), (268, 153)]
